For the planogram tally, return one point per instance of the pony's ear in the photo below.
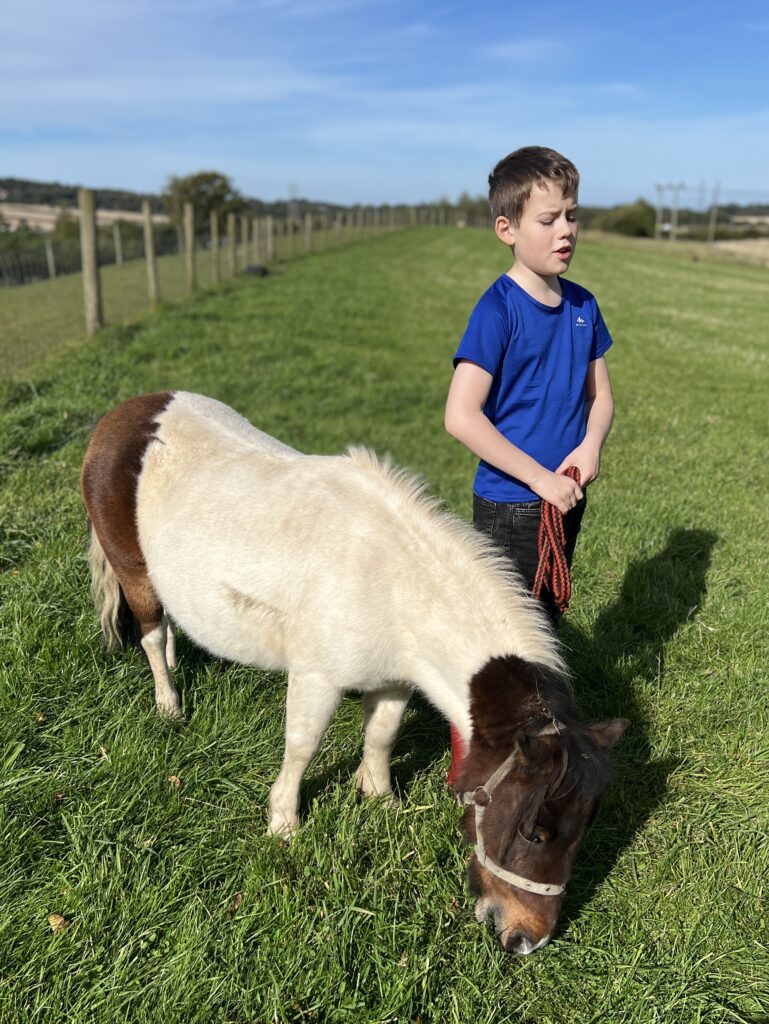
(531, 753)
(608, 734)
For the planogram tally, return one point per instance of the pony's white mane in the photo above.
(464, 551)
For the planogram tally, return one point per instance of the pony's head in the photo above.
(530, 790)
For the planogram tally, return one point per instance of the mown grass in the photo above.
(38, 318)
(180, 909)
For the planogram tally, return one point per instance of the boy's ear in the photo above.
(504, 230)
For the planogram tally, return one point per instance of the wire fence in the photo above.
(48, 301)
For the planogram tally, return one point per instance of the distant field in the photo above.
(179, 908)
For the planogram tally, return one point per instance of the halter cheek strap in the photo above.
(480, 798)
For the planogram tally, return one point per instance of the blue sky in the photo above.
(362, 101)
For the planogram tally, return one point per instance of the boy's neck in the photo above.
(546, 290)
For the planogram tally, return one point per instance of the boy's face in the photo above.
(546, 236)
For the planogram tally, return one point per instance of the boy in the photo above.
(531, 394)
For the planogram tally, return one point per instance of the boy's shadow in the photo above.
(624, 660)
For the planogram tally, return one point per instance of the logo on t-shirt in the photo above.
(581, 322)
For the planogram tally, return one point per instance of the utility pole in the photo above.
(676, 189)
(660, 205)
(714, 213)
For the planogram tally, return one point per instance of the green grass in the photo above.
(46, 316)
(180, 908)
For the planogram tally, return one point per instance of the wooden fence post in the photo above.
(256, 241)
(216, 270)
(50, 257)
(94, 318)
(189, 246)
(244, 223)
(149, 254)
(232, 259)
(270, 240)
(308, 232)
(118, 241)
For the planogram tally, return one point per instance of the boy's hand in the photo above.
(587, 458)
(561, 491)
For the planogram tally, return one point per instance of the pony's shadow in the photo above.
(626, 655)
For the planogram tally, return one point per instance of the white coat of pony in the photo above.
(337, 569)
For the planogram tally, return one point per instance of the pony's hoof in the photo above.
(370, 788)
(171, 713)
(280, 828)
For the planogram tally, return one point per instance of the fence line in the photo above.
(53, 306)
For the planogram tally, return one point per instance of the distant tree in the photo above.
(473, 210)
(67, 226)
(635, 219)
(208, 191)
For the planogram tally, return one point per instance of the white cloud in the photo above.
(532, 48)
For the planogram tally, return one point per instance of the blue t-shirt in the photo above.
(538, 356)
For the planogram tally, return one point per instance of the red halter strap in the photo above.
(553, 569)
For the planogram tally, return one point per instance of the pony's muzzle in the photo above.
(521, 944)
(513, 936)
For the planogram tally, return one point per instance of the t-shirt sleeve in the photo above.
(487, 336)
(602, 340)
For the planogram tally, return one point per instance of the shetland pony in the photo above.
(339, 570)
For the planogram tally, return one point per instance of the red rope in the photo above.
(553, 569)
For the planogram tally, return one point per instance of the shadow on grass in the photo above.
(626, 653)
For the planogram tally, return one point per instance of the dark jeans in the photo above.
(515, 529)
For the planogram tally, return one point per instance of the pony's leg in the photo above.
(156, 641)
(170, 644)
(310, 703)
(382, 714)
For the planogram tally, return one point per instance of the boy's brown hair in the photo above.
(511, 181)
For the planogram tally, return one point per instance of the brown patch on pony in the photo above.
(509, 691)
(108, 482)
(539, 811)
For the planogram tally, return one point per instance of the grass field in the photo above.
(176, 906)
(40, 317)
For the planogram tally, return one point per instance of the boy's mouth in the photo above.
(564, 252)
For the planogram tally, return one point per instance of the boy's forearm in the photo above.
(599, 418)
(476, 432)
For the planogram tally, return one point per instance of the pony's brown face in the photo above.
(533, 824)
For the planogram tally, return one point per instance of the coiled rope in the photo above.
(553, 568)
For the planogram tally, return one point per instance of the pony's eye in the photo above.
(537, 836)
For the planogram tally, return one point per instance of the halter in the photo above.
(480, 798)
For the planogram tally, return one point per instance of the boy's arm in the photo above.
(600, 413)
(465, 420)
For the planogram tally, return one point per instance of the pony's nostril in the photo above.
(519, 944)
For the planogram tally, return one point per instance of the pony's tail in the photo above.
(118, 623)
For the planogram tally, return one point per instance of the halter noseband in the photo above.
(480, 798)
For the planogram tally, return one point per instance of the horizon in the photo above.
(319, 201)
(359, 102)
